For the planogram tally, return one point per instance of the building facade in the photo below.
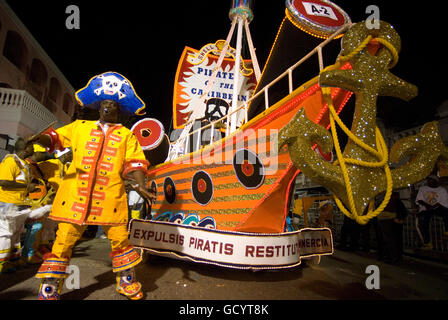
(33, 91)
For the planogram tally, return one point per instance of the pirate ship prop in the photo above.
(222, 191)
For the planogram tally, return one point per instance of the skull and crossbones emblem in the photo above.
(111, 85)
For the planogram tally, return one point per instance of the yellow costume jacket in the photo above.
(12, 168)
(93, 190)
(54, 171)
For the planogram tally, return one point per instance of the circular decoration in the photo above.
(248, 168)
(48, 291)
(169, 189)
(153, 186)
(320, 18)
(202, 187)
(149, 133)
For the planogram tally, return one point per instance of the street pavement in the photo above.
(342, 276)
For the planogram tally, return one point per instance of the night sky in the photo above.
(143, 40)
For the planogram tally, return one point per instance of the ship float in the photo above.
(222, 180)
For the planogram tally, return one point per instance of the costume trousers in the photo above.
(11, 226)
(68, 234)
(55, 263)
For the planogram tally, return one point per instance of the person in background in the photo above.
(15, 186)
(325, 219)
(390, 233)
(31, 242)
(432, 199)
(297, 211)
(350, 232)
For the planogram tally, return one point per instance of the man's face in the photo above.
(109, 111)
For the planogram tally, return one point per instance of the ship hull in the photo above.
(239, 183)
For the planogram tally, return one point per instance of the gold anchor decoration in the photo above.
(361, 171)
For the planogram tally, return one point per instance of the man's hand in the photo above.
(139, 186)
(14, 185)
(40, 138)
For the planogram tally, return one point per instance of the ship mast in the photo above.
(241, 15)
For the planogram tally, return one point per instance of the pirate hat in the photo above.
(111, 86)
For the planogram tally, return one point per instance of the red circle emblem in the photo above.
(149, 133)
(324, 13)
(320, 18)
(202, 185)
(247, 168)
(169, 189)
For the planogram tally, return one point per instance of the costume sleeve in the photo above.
(134, 158)
(51, 171)
(8, 170)
(61, 138)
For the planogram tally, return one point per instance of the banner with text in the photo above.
(195, 69)
(231, 249)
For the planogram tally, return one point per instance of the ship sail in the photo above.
(194, 73)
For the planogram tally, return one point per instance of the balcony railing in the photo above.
(20, 106)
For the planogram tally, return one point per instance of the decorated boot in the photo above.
(53, 273)
(128, 285)
(123, 262)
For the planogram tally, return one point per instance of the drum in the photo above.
(160, 153)
(149, 133)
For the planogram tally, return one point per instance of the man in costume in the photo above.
(33, 226)
(45, 170)
(432, 199)
(15, 186)
(325, 219)
(93, 190)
